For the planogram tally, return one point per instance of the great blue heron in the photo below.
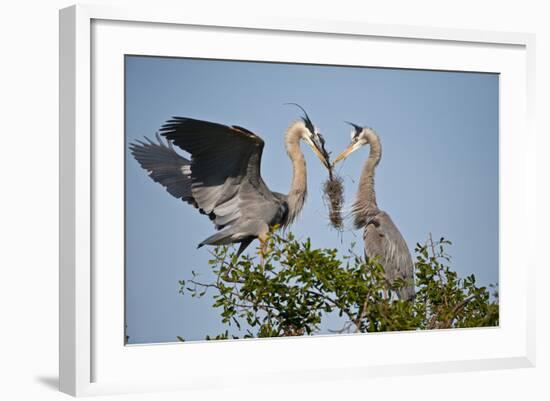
(222, 179)
(381, 237)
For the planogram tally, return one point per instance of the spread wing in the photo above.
(224, 170)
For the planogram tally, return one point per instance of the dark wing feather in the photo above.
(165, 166)
(225, 171)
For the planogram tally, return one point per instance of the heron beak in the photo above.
(349, 150)
(319, 151)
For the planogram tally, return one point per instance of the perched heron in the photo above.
(222, 178)
(381, 236)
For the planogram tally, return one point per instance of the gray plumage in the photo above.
(222, 178)
(382, 239)
(165, 166)
(381, 236)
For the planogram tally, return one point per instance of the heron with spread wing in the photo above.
(222, 177)
(381, 236)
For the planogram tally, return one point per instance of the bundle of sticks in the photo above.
(333, 190)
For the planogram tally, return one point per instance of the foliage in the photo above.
(291, 287)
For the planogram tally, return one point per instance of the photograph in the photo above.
(272, 199)
(242, 200)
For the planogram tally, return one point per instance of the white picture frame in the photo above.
(93, 358)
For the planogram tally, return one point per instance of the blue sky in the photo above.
(438, 173)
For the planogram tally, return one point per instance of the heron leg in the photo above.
(264, 247)
(263, 250)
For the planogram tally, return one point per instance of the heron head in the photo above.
(317, 143)
(359, 136)
(314, 139)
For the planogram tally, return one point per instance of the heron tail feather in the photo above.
(226, 237)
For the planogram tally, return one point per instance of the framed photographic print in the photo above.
(290, 199)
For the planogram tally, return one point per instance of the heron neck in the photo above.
(365, 203)
(298, 186)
